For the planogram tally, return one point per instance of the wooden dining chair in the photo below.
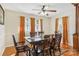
(46, 45)
(56, 43)
(32, 34)
(40, 33)
(20, 47)
(52, 43)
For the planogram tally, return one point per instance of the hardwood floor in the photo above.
(10, 51)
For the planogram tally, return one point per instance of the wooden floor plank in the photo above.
(9, 51)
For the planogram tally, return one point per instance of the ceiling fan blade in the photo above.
(43, 7)
(51, 10)
(39, 12)
(36, 9)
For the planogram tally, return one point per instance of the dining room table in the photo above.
(35, 41)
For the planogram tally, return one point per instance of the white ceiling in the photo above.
(27, 7)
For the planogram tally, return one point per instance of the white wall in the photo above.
(1, 39)
(46, 25)
(12, 23)
(66, 10)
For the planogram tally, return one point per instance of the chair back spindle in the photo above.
(14, 40)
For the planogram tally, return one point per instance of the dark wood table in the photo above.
(35, 41)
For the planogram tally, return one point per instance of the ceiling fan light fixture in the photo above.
(47, 14)
(45, 8)
(44, 13)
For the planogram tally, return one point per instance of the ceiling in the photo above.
(27, 7)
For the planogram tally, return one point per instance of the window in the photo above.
(28, 25)
(37, 25)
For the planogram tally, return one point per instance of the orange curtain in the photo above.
(41, 25)
(22, 29)
(32, 24)
(65, 31)
(56, 25)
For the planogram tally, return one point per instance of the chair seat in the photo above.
(25, 46)
(20, 46)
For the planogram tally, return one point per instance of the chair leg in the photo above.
(42, 52)
(59, 50)
(53, 52)
(17, 54)
(29, 53)
(26, 53)
(50, 52)
(46, 52)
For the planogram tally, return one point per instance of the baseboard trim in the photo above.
(1, 53)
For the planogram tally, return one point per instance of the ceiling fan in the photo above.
(44, 10)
